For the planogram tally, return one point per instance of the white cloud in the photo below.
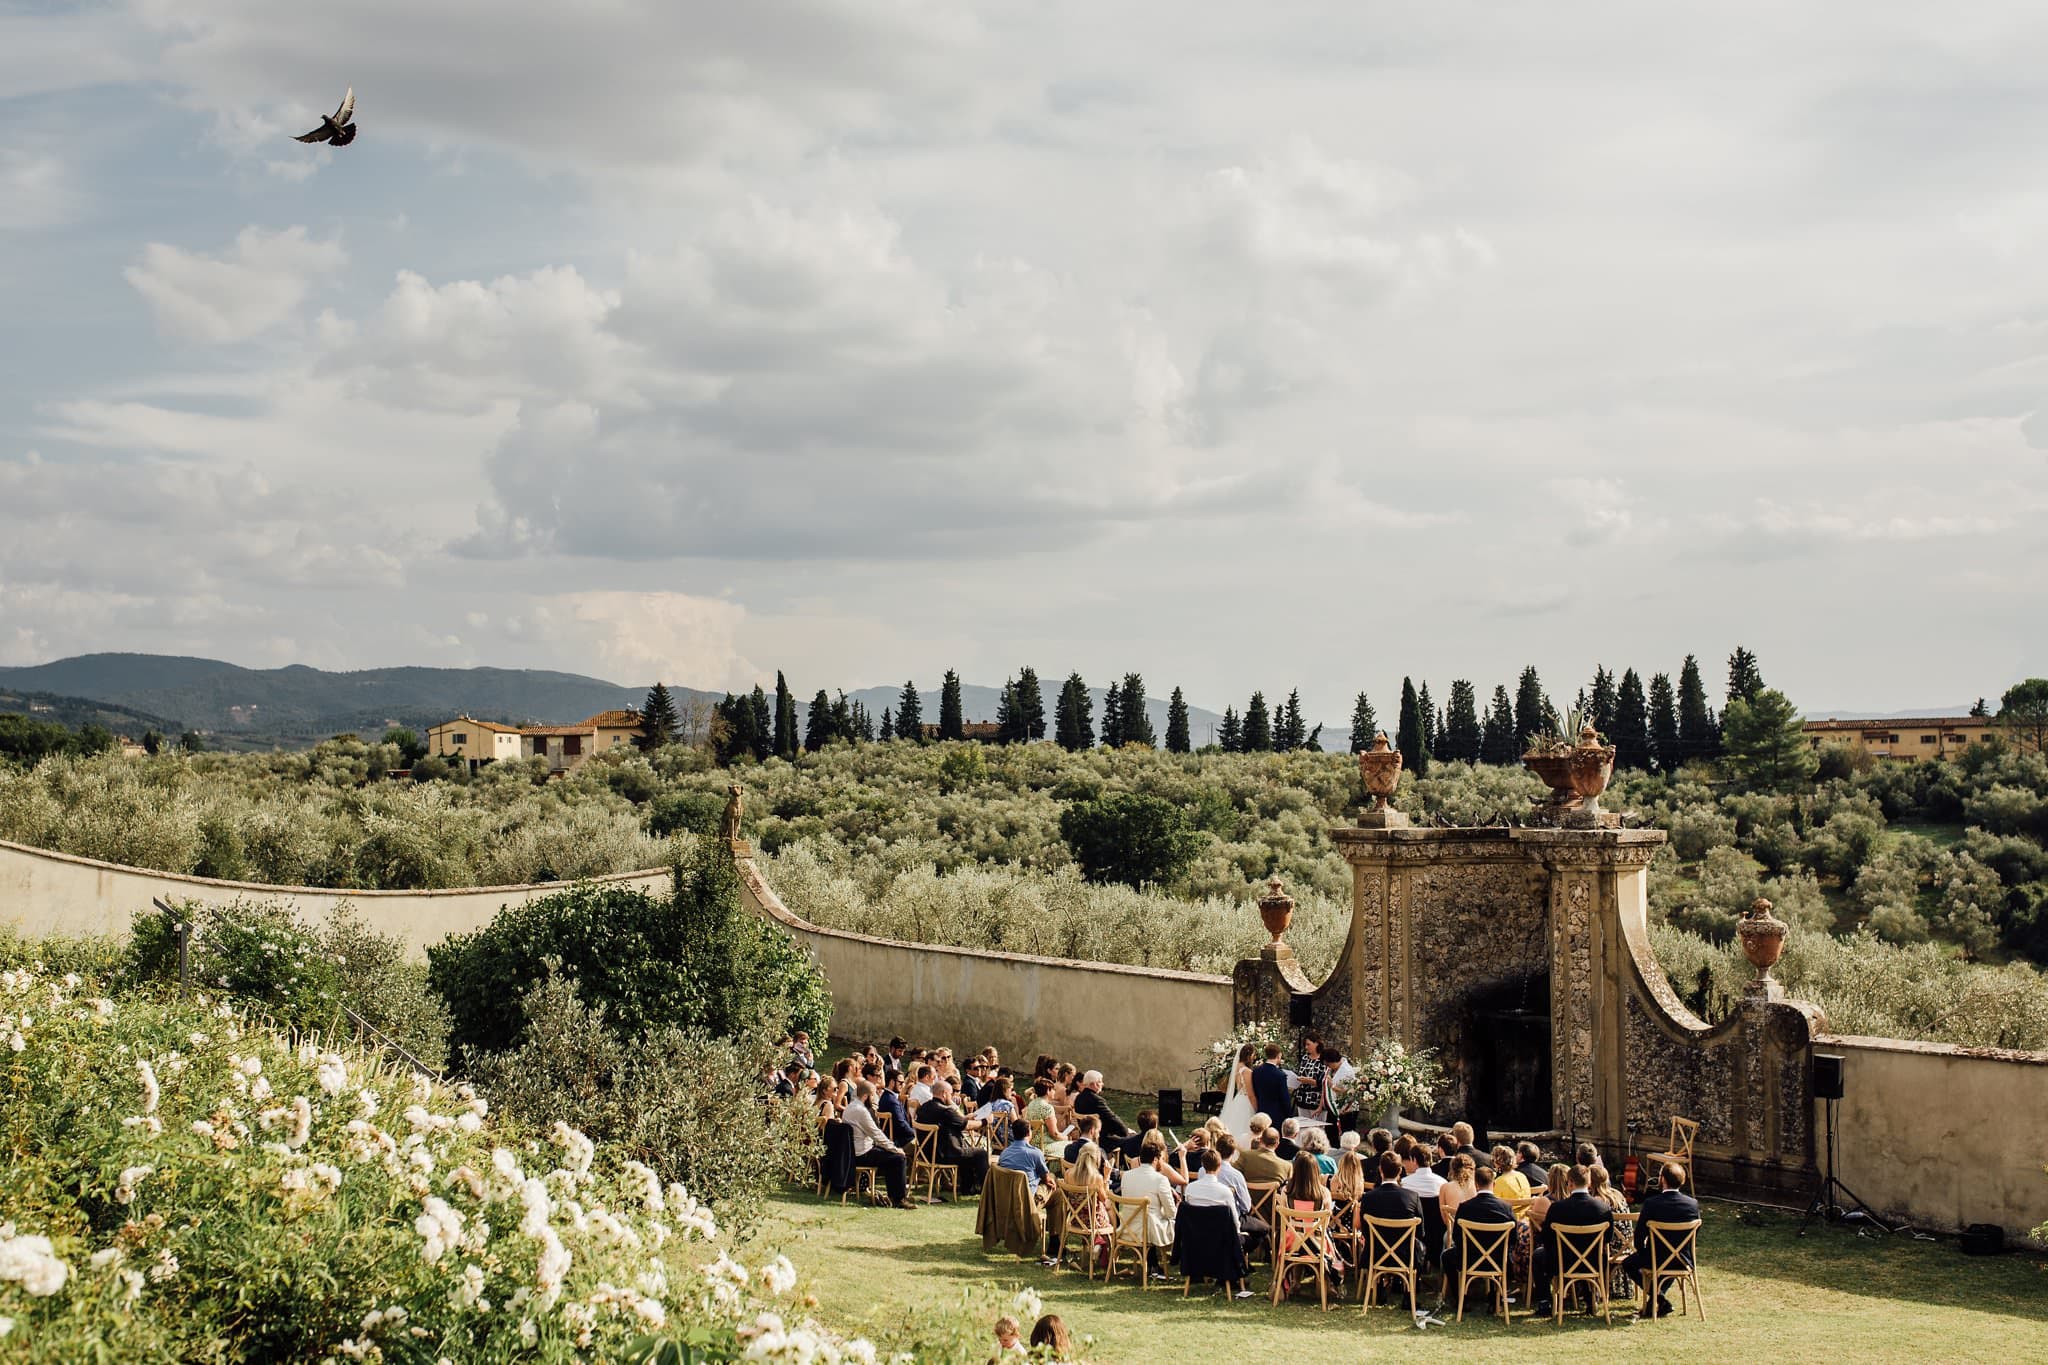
(637, 637)
(254, 286)
(35, 189)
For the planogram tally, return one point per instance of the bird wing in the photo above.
(348, 107)
(320, 134)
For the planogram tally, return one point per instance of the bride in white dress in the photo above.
(1237, 1100)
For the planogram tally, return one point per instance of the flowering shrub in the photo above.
(1392, 1077)
(1221, 1055)
(179, 1183)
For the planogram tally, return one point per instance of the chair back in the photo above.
(1485, 1247)
(1520, 1207)
(1132, 1216)
(926, 1154)
(1581, 1251)
(1673, 1246)
(1682, 1133)
(1345, 1225)
(1264, 1194)
(1391, 1244)
(1301, 1233)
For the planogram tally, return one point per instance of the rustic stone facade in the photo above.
(1442, 918)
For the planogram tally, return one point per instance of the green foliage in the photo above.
(411, 748)
(1364, 724)
(1177, 740)
(962, 765)
(910, 714)
(1631, 734)
(2023, 712)
(685, 812)
(1257, 735)
(694, 958)
(1745, 680)
(1699, 732)
(1137, 722)
(1410, 738)
(1130, 838)
(669, 1098)
(1074, 716)
(26, 741)
(1764, 742)
(951, 723)
(658, 719)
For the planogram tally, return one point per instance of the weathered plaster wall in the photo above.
(1140, 1027)
(56, 893)
(1942, 1136)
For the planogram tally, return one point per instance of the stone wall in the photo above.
(1942, 1136)
(42, 892)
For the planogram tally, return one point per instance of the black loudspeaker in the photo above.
(1827, 1076)
(1301, 1010)
(1983, 1239)
(1172, 1113)
(1211, 1102)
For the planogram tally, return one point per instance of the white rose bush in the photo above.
(153, 1207)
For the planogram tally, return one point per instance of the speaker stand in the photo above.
(1828, 1195)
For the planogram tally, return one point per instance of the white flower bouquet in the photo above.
(1219, 1056)
(1392, 1077)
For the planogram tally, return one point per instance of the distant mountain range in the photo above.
(295, 706)
(259, 708)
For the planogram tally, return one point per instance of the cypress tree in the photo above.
(951, 724)
(1428, 709)
(1229, 734)
(658, 721)
(818, 727)
(785, 719)
(1288, 730)
(888, 724)
(1137, 720)
(1602, 702)
(1412, 740)
(1497, 742)
(1664, 746)
(1699, 735)
(1009, 721)
(1256, 737)
(1744, 679)
(1177, 724)
(1531, 709)
(1631, 737)
(910, 714)
(1463, 737)
(1364, 725)
(1074, 716)
(763, 733)
(1113, 715)
(1030, 703)
(1439, 738)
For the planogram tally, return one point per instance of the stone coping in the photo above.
(1860, 1043)
(344, 892)
(1497, 834)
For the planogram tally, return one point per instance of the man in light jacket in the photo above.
(872, 1148)
(1147, 1180)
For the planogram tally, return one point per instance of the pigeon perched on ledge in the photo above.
(338, 127)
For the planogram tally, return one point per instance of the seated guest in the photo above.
(1529, 1161)
(872, 1147)
(1351, 1141)
(1249, 1223)
(1089, 1101)
(1483, 1207)
(1174, 1175)
(1348, 1182)
(1148, 1181)
(1577, 1209)
(1262, 1165)
(1148, 1121)
(1387, 1199)
(1306, 1192)
(800, 1050)
(1457, 1189)
(1621, 1241)
(1087, 1186)
(1588, 1155)
(1508, 1183)
(1556, 1186)
(1317, 1144)
(1066, 1084)
(1669, 1205)
(789, 1080)
(1040, 1108)
(1022, 1154)
(1377, 1144)
(828, 1099)
(888, 1106)
(973, 1083)
(997, 1102)
(1086, 1130)
(1419, 1174)
(892, 1060)
(921, 1084)
(1290, 1132)
(952, 1149)
(1207, 1190)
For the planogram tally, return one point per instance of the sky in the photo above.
(1247, 347)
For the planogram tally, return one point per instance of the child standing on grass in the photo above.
(1008, 1338)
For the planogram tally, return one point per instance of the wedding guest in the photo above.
(1348, 1183)
(1148, 1180)
(1483, 1207)
(1051, 1335)
(1579, 1208)
(1262, 1165)
(1090, 1101)
(1053, 1137)
(1508, 1183)
(873, 1148)
(1457, 1189)
(1022, 1155)
(1290, 1132)
(1671, 1204)
(1306, 1192)
(952, 1149)
(1086, 1130)
(973, 1084)
(997, 1102)
(1387, 1199)
(800, 1050)
(1418, 1174)
(892, 1063)
(1556, 1185)
(1317, 1144)
(921, 1085)
(1148, 1121)
(1254, 1227)
(1008, 1340)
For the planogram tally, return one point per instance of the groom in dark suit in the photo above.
(1269, 1087)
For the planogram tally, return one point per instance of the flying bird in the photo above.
(338, 127)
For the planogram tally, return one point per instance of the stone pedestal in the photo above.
(1375, 818)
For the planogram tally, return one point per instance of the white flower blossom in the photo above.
(100, 1260)
(439, 1226)
(261, 1091)
(1027, 1306)
(780, 1277)
(131, 1282)
(124, 1189)
(539, 1207)
(650, 1184)
(367, 1098)
(552, 1269)
(150, 1094)
(302, 1123)
(332, 1074)
(470, 1288)
(150, 1122)
(579, 1149)
(166, 1266)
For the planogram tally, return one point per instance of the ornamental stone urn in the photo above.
(1379, 767)
(1576, 776)
(1763, 939)
(1277, 910)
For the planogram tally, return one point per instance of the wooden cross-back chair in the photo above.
(1076, 1226)
(1265, 1194)
(1683, 1131)
(1132, 1218)
(1581, 1259)
(1346, 1229)
(1674, 1259)
(1303, 1238)
(1483, 1259)
(1389, 1253)
(926, 1166)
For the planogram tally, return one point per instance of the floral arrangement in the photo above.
(1392, 1077)
(183, 1180)
(1221, 1055)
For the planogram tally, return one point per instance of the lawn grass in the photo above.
(1771, 1296)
